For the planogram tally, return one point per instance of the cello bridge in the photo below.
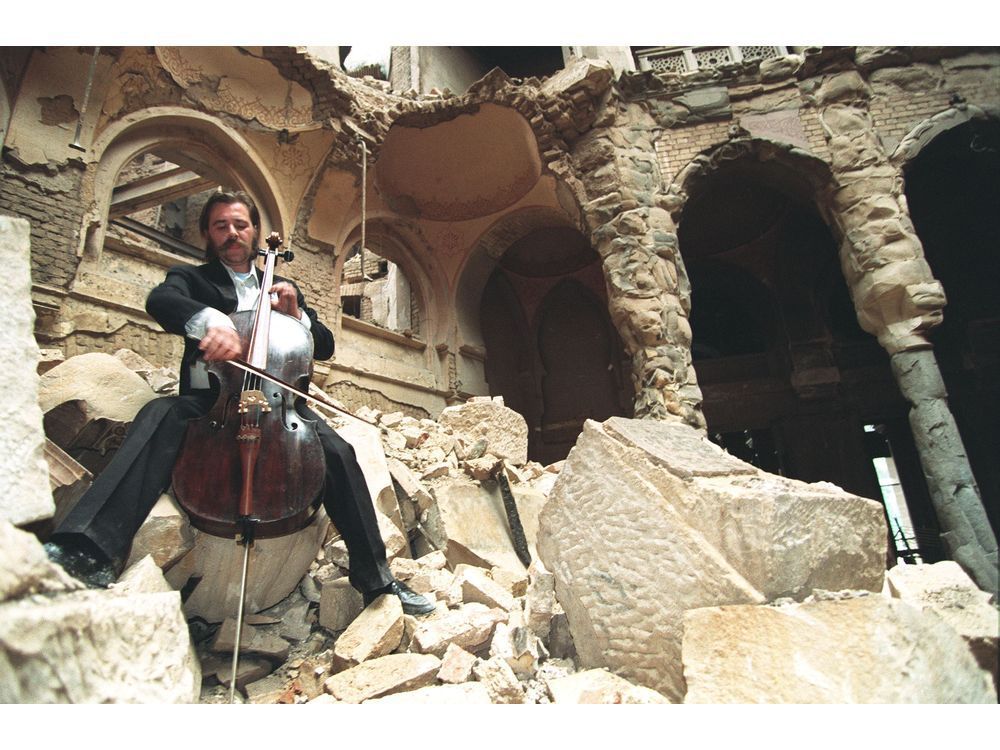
(251, 399)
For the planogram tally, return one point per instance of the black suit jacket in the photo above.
(188, 289)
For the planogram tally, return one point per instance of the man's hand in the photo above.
(220, 344)
(288, 301)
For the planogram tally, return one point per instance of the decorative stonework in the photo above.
(648, 290)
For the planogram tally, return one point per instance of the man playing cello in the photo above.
(93, 542)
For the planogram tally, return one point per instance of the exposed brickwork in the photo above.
(55, 234)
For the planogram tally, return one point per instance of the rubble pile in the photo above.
(648, 567)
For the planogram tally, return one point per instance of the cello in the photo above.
(253, 466)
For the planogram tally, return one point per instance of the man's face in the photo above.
(232, 236)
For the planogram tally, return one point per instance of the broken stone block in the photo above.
(25, 569)
(946, 589)
(599, 686)
(88, 402)
(504, 429)
(276, 567)
(470, 626)
(97, 647)
(166, 534)
(376, 632)
(514, 581)
(519, 647)
(367, 443)
(272, 689)
(865, 649)
(142, 577)
(409, 484)
(339, 604)
(469, 524)
(477, 586)
(650, 519)
(474, 693)
(499, 680)
(383, 676)
(456, 665)
(25, 496)
(541, 599)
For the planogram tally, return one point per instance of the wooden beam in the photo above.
(155, 190)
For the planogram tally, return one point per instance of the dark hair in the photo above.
(236, 196)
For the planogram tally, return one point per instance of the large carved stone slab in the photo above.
(24, 488)
(649, 519)
(97, 647)
(865, 649)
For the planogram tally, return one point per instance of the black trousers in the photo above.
(114, 507)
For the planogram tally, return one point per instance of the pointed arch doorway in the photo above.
(551, 349)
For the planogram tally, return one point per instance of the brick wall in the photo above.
(54, 210)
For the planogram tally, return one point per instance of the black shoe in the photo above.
(413, 603)
(81, 564)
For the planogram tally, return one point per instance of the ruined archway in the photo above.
(952, 163)
(531, 276)
(141, 222)
(798, 397)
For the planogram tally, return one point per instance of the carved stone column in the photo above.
(648, 291)
(898, 300)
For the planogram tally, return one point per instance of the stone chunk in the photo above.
(599, 686)
(456, 665)
(519, 647)
(339, 604)
(947, 590)
(504, 429)
(25, 568)
(68, 480)
(650, 519)
(72, 649)
(376, 632)
(166, 534)
(865, 649)
(470, 626)
(477, 586)
(24, 489)
(469, 524)
(383, 676)
(500, 681)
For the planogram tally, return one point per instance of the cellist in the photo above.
(93, 542)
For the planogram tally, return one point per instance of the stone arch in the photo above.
(385, 239)
(757, 220)
(808, 174)
(208, 141)
(923, 134)
(483, 259)
(951, 167)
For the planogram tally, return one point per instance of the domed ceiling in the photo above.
(471, 166)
